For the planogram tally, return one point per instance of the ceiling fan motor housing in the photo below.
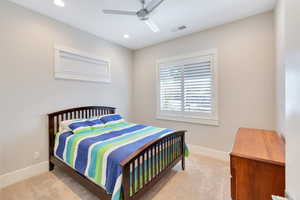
(143, 14)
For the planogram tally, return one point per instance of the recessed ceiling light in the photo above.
(59, 3)
(126, 36)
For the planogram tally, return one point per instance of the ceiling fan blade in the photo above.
(152, 25)
(119, 12)
(153, 4)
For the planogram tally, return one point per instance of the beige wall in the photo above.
(29, 91)
(288, 87)
(280, 68)
(292, 116)
(246, 51)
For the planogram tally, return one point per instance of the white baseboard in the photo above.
(22, 174)
(220, 155)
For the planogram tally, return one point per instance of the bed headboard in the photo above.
(73, 113)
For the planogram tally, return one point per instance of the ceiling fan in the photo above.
(143, 14)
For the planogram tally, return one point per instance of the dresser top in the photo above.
(261, 145)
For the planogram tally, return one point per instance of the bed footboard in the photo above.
(146, 166)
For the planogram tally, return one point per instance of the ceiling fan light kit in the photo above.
(143, 14)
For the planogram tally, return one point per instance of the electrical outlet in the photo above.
(36, 155)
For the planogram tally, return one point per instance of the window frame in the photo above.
(212, 119)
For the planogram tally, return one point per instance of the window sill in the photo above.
(193, 120)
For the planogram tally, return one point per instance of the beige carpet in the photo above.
(204, 179)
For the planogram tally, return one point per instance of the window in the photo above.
(187, 88)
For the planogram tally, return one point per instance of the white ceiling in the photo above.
(195, 14)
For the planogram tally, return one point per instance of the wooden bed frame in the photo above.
(171, 156)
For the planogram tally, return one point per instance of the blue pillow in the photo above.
(95, 123)
(80, 127)
(111, 118)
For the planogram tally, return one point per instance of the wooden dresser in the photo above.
(257, 165)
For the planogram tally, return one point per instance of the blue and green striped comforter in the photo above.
(97, 153)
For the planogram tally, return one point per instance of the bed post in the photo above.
(126, 182)
(183, 151)
(51, 141)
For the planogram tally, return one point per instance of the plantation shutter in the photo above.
(186, 87)
(171, 88)
(197, 84)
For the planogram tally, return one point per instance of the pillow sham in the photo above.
(80, 127)
(107, 119)
(64, 125)
(85, 125)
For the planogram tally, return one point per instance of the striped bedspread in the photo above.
(97, 154)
